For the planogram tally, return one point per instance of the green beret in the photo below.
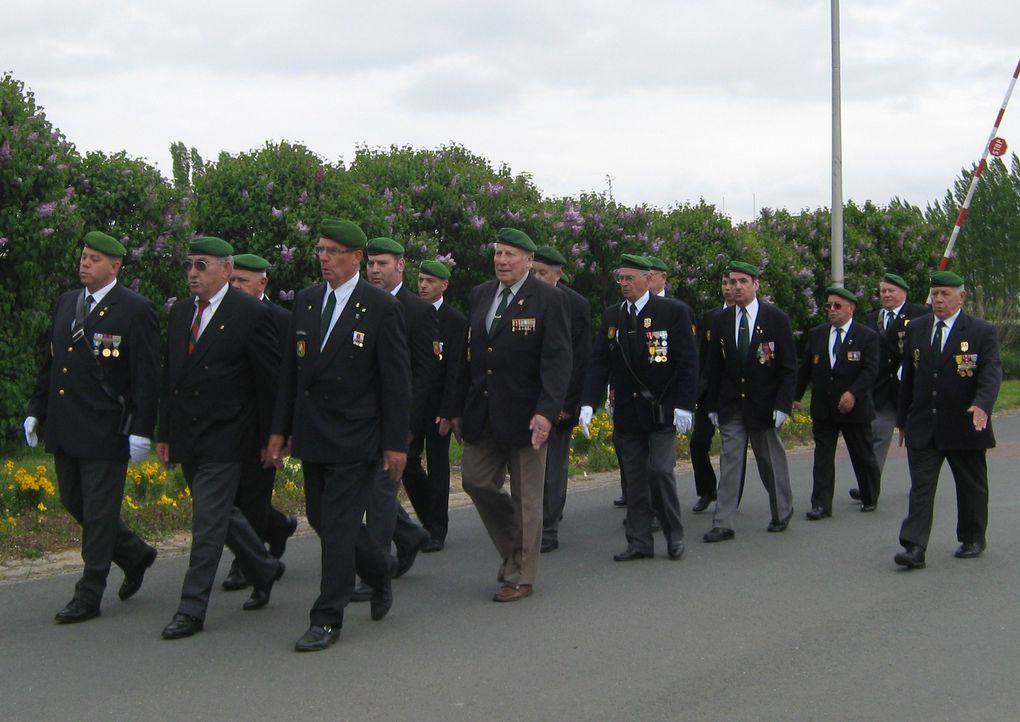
(629, 260)
(566, 277)
(251, 262)
(946, 278)
(210, 246)
(343, 232)
(842, 293)
(434, 268)
(99, 241)
(384, 245)
(548, 254)
(896, 281)
(514, 237)
(658, 264)
(741, 267)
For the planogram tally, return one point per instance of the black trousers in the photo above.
(255, 500)
(860, 445)
(970, 474)
(648, 460)
(92, 491)
(429, 491)
(336, 497)
(705, 481)
(557, 468)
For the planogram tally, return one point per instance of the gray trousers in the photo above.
(648, 460)
(514, 520)
(769, 454)
(557, 462)
(215, 521)
(882, 429)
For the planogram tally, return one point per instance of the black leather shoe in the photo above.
(619, 502)
(970, 550)
(278, 544)
(869, 507)
(630, 554)
(855, 494)
(817, 513)
(777, 525)
(549, 545)
(912, 557)
(702, 503)
(433, 545)
(382, 600)
(76, 611)
(718, 534)
(317, 638)
(676, 550)
(260, 595)
(235, 578)
(406, 557)
(182, 625)
(133, 579)
(362, 592)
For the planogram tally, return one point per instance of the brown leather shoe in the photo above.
(512, 592)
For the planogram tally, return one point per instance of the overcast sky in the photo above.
(674, 100)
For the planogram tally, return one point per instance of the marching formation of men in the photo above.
(364, 378)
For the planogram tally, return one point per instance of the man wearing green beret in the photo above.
(511, 387)
(548, 267)
(429, 490)
(645, 352)
(891, 322)
(344, 404)
(95, 400)
(255, 492)
(840, 365)
(951, 378)
(752, 375)
(222, 360)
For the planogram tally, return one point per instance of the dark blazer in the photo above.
(78, 417)
(522, 370)
(580, 345)
(281, 322)
(855, 371)
(422, 333)
(935, 394)
(216, 403)
(764, 381)
(452, 334)
(704, 339)
(630, 370)
(886, 391)
(353, 400)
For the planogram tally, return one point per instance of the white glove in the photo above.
(779, 417)
(138, 447)
(584, 418)
(714, 418)
(31, 438)
(682, 420)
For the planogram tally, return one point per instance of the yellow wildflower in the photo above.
(40, 506)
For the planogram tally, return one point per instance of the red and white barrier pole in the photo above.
(997, 146)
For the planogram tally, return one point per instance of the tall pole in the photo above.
(837, 157)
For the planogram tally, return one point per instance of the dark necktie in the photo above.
(744, 337)
(889, 316)
(82, 312)
(936, 343)
(835, 346)
(196, 325)
(504, 301)
(327, 317)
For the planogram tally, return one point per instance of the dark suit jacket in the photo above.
(704, 339)
(281, 322)
(764, 381)
(422, 333)
(351, 401)
(78, 417)
(216, 403)
(580, 345)
(886, 391)
(630, 370)
(934, 396)
(855, 371)
(452, 334)
(522, 370)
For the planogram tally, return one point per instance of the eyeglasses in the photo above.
(625, 277)
(200, 264)
(332, 251)
(834, 306)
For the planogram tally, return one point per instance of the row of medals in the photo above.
(109, 343)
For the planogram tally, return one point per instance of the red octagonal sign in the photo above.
(997, 147)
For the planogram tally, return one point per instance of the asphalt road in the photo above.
(815, 623)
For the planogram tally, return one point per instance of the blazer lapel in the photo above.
(215, 327)
(952, 345)
(342, 333)
(518, 305)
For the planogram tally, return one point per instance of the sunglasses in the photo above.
(200, 264)
(834, 306)
(332, 251)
